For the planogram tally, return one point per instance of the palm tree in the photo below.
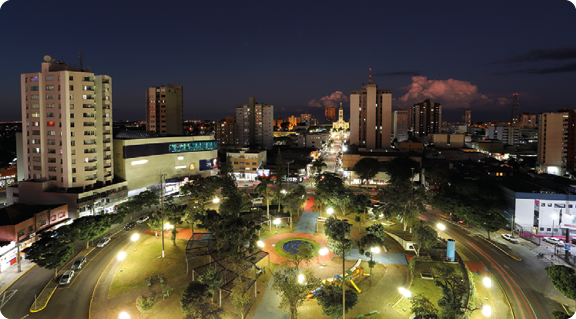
(264, 190)
(318, 164)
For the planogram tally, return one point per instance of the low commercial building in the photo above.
(315, 140)
(448, 140)
(245, 163)
(146, 161)
(349, 160)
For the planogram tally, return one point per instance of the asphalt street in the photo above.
(525, 282)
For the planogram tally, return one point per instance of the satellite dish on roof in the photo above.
(47, 58)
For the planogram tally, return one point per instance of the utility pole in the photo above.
(162, 176)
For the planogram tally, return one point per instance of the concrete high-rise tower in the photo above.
(427, 118)
(371, 117)
(255, 125)
(467, 117)
(164, 110)
(67, 126)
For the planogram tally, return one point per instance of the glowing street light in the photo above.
(260, 244)
(168, 226)
(375, 250)
(216, 200)
(135, 237)
(284, 191)
(277, 222)
(330, 211)
(121, 255)
(487, 282)
(323, 251)
(487, 311)
(405, 292)
(441, 227)
(124, 315)
(300, 278)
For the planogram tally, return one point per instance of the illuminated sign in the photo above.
(139, 162)
(192, 147)
(179, 167)
(192, 166)
(263, 173)
(208, 164)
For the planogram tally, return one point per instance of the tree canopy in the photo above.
(453, 290)
(330, 299)
(404, 200)
(292, 293)
(195, 302)
(422, 307)
(366, 168)
(564, 279)
(400, 168)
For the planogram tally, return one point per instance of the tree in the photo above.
(425, 236)
(453, 291)
(400, 168)
(292, 293)
(195, 302)
(201, 189)
(294, 200)
(376, 230)
(359, 204)
(50, 253)
(560, 315)
(330, 299)
(342, 198)
(318, 164)
(264, 191)
(155, 222)
(174, 214)
(145, 304)
(402, 199)
(336, 230)
(327, 185)
(366, 168)
(564, 279)
(423, 308)
(91, 227)
(130, 207)
(240, 297)
(148, 199)
(365, 245)
(212, 279)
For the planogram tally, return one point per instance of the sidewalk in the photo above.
(11, 274)
(268, 306)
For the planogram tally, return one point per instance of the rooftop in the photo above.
(17, 213)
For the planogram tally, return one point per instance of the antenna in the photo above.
(80, 59)
(370, 76)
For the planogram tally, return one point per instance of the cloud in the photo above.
(332, 100)
(410, 73)
(571, 67)
(542, 55)
(453, 94)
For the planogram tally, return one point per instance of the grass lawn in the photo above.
(422, 286)
(144, 262)
(168, 308)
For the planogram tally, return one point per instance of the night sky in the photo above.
(298, 56)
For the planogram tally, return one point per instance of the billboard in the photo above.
(209, 164)
(555, 212)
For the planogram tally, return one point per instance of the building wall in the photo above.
(448, 140)
(164, 109)
(426, 118)
(507, 134)
(400, 125)
(371, 117)
(412, 147)
(550, 143)
(255, 124)
(225, 134)
(67, 124)
(145, 171)
(329, 115)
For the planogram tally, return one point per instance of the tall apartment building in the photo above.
(427, 118)
(67, 126)
(467, 117)
(308, 118)
(401, 124)
(526, 120)
(164, 109)
(225, 131)
(507, 134)
(329, 115)
(293, 120)
(556, 142)
(254, 125)
(371, 117)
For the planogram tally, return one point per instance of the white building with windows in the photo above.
(255, 125)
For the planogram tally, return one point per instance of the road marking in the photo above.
(6, 296)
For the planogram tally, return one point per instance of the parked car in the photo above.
(77, 265)
(554, 241)
(103, 242)
(66, 277)
(129, 225)
(142, 219)
(510, 238)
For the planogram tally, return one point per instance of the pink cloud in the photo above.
(332, 100)
(453, 94)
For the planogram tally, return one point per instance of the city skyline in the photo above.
(303, 59)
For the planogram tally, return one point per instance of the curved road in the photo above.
(525, 282)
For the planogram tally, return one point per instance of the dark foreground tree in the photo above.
(453, 291)
(53, 249)
(195, 302)
(425, 236)
(292, 292)
(330, 299)
(423, 308)
(367, 168)
(145, 304)
(564, 279)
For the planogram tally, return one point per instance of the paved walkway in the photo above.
(268, 307)
(10, 275)
(383, 258)
(307, 223)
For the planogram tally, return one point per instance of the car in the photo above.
(142, 219)
(77, 265)
(554, 241)
(66, 277)
(510, 238)
(129, 225)
(103, 242)
(573, 241)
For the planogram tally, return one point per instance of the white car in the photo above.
(510, 238)
(66, 277)
(554, 241)
(142, 219)
(103, 242)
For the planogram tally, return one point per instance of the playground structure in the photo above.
(356, 273)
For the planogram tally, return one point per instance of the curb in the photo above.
(507, 300)
(15, 280)
(38, 310)
(502, 250)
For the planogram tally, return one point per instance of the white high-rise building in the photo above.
(67, 126)
(507, 134)
(255, 125)
(370, 117)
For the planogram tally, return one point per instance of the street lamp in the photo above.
(487, 311)
(260, 244)
(330, 211)
(168, 226)
(300, 279)
(322, 252)
(216, 200)
(121, 255)
(277, 222)
(487, 282)
(124, 315)
(405, 292)
(441, 227)
(135, 237)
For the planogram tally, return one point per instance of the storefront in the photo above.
(8, 256)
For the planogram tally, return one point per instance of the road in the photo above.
(71, 301)
(525, 282)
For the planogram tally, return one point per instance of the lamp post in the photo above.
(121, 255)
(135, 237)
(277, 222)
(487, 311)
(441, 227)
(162, 177)
(301, 279)
(322, 252)
(124, 315)
(405, 292)
(280, 200)
(487, 282)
